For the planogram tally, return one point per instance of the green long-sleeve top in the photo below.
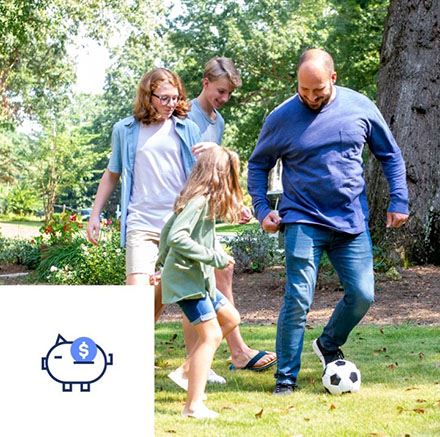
(187, 252)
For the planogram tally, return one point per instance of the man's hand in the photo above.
(199, 148)
(245, 215)
(396, 219)
(271, 223)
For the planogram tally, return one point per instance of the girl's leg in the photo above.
(199, 362)
(228, 319)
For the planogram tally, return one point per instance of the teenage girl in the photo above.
(189, 253)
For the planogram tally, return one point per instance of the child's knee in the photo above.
(235, 318)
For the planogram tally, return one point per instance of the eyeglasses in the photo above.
(165, 100)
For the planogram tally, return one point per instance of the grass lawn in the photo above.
(25, 221)
(399, 396)
(223, 227)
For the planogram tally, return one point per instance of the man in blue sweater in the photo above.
(319, 135)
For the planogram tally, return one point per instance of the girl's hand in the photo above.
(155, 278)
(231, 261)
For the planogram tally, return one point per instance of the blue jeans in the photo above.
(352, 258)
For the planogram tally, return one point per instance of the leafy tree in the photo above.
(63, 157)
(408, 96)
(35, 68)
(265, 39)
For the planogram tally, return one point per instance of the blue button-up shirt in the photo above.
(124, 142)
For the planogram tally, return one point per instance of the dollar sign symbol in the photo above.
(83, 350)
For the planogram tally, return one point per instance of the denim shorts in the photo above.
(201, 310)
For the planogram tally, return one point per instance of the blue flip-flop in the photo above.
(252, 361)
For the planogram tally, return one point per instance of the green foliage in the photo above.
(21, 200)
(78, 262)
(265, 40)
(381, 262)
(60, 229)
(19, 251)
(36, 70)
(254, 250)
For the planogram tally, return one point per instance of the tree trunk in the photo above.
(408, 96)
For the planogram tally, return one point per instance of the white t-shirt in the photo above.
(158, 177)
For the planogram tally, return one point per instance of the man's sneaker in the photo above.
(282, 389)
(325, 355)
(213, 378)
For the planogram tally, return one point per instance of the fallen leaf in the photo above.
(309, 327)
(420, 401)
(171, 431)
(412, 388)
(289, 408)
(421, 355)
(437, 404)
(313, 381)
(400, 409)
(381, 330)
(259, 414)
(375, 354)
(173, 337)
(419, 410)
(392, 366)
(332, 407)
(307, 419)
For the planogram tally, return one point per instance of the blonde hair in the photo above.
(143, 110)
(219, 67)
(216, 176)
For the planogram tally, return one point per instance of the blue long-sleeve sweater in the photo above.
(321, 152)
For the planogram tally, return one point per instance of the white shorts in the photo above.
(142, 250)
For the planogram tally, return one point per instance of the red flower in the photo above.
(80, 226)
(32, 241)
(73, 217)
(48, 230)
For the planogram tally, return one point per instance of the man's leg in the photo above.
(303, 249)
(241, 353)
(352, 257)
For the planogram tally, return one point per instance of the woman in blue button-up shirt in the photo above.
(151, 152)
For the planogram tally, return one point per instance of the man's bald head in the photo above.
(316, 79)
(317, 58)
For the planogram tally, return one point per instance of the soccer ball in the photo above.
(340, 377)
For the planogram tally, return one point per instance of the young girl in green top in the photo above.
(188, 252)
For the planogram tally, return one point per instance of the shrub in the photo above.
(81, 263)
(19, 251)
(60, 229)
(254, 250)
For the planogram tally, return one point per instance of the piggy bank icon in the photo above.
(79, 362)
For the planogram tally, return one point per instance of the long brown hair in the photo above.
(143, 110)
(216, 176)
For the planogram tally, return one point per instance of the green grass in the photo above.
(399, 396)
(222, 227)
(26, 221)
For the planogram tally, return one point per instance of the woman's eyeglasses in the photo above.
(165, 100)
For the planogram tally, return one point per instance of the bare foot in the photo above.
(266, 360)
